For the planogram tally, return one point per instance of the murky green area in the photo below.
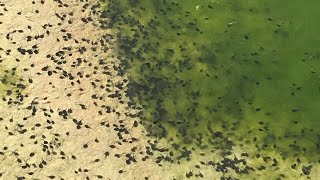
(226, 75)
(11, 85)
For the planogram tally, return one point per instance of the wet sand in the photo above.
(69, 117)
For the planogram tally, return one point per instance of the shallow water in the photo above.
(226, 75)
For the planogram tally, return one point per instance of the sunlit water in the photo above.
(236, 76)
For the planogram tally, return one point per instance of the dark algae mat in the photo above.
(236, 82)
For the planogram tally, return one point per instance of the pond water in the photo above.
(235, 77)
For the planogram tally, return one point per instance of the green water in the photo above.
(225, 75)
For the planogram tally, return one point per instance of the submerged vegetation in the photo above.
(235, 77)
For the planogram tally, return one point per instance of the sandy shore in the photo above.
(70, 119)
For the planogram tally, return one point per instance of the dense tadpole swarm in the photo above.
(204, 74)
(78, 80)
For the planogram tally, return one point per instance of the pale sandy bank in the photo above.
(71, 120)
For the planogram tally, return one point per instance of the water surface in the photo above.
(237, 77)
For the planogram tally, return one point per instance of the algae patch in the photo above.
(230, 76)
(11, 85)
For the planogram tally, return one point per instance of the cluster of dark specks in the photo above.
(67, 117)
